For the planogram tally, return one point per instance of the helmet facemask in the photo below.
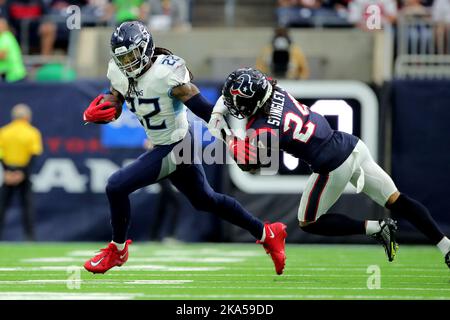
(133, 60)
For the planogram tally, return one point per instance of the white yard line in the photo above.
(127, 267)
(189, 259)
(167, 268)
(158, 281)
(117, 283)
(66, 296)
(141, 260)
(120, 283)
(131, 267)
(51, 260)
(207, 252)
(300, 288)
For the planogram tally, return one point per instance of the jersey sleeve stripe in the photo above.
(259, 131)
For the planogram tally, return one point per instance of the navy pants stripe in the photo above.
(189, 179)
(314, 197)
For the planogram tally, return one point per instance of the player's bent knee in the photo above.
(392, 198)
(304, 224)
(115, 184)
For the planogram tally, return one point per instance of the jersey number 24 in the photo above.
(301, 132)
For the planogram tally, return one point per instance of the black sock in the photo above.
(333, 224)
(418, 215)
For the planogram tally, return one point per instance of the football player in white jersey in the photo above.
(157, 88)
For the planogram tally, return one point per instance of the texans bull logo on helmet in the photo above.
(243, 87)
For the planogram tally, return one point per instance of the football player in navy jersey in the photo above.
(277, 121)
(157, 88)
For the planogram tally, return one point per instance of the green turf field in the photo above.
(223, 271)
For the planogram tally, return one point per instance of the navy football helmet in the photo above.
(132, 47)
(245, 91)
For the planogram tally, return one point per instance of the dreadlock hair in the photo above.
(158, 51)
(266, 107)
(163, 51)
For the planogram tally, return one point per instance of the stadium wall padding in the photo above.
(421, 144)
(70, 204)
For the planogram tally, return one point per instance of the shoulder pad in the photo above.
(118, 80)
(173, 69)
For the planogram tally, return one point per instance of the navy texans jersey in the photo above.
(302, 133)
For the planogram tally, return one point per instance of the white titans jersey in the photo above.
(163, 117)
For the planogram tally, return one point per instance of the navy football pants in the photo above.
(189, 179)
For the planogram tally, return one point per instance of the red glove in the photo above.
(243, 151)
(103, 112)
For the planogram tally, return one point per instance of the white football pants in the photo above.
(323, 190)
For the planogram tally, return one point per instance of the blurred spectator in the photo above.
(96, 13)
(411, 20)
(126, 10)
(20, 143)
(282, 58)
(12, 68)
(441, 11)
(414, 8)
(310, 13)
(362, 15)
(56, 15)
(167, 14)
(3, 9)
(26, 19)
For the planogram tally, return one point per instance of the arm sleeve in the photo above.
(200, 106)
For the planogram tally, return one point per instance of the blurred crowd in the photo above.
(41, 26)
(355, 13)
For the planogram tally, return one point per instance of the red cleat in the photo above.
(274, 244)
(108, 258)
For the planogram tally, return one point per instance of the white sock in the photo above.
(263, 235)
(444, 245)
(372, 226)
(119, 246)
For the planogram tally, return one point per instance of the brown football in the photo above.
(116, 104)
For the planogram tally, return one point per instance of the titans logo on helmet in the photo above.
(243, 87)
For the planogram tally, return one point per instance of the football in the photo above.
(116, 104)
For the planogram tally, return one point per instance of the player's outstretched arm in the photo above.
(218, 125)
(190, 95)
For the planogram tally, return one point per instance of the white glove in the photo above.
(217, 123)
